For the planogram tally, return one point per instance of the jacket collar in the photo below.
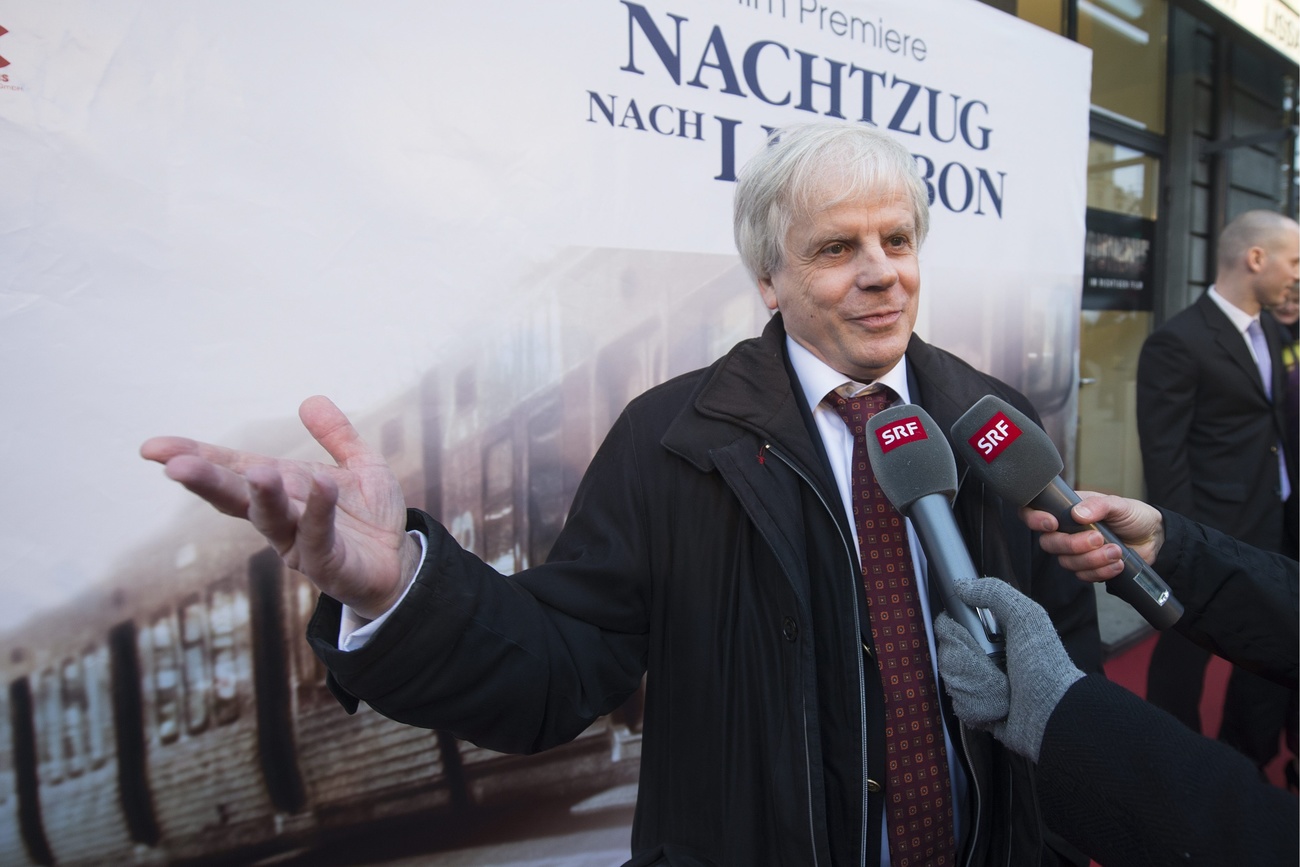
(1230, 337)
(749, 388)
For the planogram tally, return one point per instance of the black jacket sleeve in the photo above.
(1241, 603)
(1130, 785)
(515, 664)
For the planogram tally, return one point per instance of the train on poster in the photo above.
(175, 714)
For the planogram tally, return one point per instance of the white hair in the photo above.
(790, 177)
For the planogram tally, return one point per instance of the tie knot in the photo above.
(857, 410)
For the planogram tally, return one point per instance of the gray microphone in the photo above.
(1018, 461)
(916, 471)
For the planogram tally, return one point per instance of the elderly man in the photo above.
(792, 714)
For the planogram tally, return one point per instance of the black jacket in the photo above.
(1241, 603)
(706, 547)
(1209, 433)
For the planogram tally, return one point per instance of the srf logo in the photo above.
(3, 62)
(901, 432)
(994, 437)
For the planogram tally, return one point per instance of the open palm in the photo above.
(342, 525)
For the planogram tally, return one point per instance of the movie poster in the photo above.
(480, 228)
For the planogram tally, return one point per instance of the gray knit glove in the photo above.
(1014, 706)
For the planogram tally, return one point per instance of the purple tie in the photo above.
(1264, 359)
(918, 797)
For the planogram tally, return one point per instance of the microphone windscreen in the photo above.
(909, 455)
(1005, 449)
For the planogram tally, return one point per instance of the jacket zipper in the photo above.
(862, 684)
(975, 786)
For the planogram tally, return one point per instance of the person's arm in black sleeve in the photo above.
(1117, 777)
(1240, 602)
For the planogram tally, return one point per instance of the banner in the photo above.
(480, 228)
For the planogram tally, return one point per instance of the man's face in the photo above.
(1280, 270)
(849, 285)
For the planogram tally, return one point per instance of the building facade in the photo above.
(1194, 120)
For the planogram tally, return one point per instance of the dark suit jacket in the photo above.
(1208, 431)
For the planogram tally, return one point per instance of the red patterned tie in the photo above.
(918, 797)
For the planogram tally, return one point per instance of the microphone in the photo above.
(1017, 459)
(916, 471)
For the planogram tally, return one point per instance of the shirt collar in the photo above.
(1240, 318)
(817, 379)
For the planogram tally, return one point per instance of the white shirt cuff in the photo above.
(354, 630)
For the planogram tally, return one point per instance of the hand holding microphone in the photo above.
(916, 470)
(1016, 705)
(1084, 553)
(1018, 461)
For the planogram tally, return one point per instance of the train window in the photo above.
(464, 421)
(499, 504)
(225, 664)
(194, 628)
(625, 369)
(547, 499)
(47, 698)
(94, 663)
(73, 696)
(466, 390)
(166, 678)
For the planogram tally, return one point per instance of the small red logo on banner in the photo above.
(992, 439)
(901, 432)
(3, 62)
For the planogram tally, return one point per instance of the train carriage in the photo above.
(63, 756)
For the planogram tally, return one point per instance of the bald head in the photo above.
(1259, 260)
(1252, 229)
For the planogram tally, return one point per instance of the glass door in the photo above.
(1118, 276)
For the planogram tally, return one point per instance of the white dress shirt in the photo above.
(355, 630)
(817, 380)
(1240, 319)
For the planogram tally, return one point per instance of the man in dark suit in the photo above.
(1211, 418)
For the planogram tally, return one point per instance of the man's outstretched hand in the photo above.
(343, 526)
